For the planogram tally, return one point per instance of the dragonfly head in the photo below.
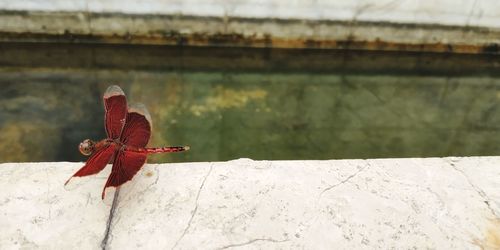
(87, 147)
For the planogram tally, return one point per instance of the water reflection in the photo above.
(45, 111)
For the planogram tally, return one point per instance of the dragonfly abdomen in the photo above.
(159, 150)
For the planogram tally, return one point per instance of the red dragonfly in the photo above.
(128, 130)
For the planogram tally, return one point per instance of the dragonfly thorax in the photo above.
(87, 147)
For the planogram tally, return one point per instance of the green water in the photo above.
(276, 113)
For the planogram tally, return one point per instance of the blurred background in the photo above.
(302, 79)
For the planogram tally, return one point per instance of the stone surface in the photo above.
(437, 203)
(37, 212)
(468, 27)
(463, 13)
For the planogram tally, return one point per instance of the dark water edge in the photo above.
(254, 103)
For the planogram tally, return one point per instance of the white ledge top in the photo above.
(484, 13)
(438, 203)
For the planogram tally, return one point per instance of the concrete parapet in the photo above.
(366, 25)
(440, 203)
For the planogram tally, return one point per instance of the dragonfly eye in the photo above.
(86, 147)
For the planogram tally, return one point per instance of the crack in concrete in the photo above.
(157, 172)
(251, 242)
(48, 194)
(318, 200)
(107, 233)
(471, 13)
(195, 207)
(479, 191)
(87, 15)
(345, 180)
(147, 188)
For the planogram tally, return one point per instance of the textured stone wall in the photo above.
(465, 27)
(484, 13)
(225, 115)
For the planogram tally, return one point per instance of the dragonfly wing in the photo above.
(126, 164)
(115, 106)
(96, 162)
(137, 129)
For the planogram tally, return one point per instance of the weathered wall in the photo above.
(465, 27)
(484, 13)
(268, 115)
(437, 203)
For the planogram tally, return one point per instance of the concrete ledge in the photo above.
(356, 25)
(484, 13)
(443, 203)
(118, 28)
